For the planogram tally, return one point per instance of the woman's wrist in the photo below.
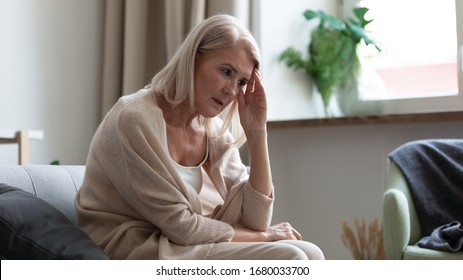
(243, 234)
(256, 138)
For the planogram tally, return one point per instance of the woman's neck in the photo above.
(177, 116)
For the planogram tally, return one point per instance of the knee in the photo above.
(290, 252)
(316, 253)
(310, 250)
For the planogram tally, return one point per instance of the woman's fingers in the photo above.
(258, 81)
(255, 83)
(252, 82)
(284, 231)
(241, 98)
(297, 234)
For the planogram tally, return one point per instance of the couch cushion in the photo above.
(31, 228)
(414, 252)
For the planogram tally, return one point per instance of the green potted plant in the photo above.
(332, 59)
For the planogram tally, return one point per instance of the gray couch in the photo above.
(33, 199)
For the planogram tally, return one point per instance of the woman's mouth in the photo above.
(218, 101)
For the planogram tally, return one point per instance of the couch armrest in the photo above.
(55, 184)
(396, 224)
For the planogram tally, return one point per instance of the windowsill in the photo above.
(373, 119)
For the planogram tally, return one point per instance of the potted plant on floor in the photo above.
(332, 59)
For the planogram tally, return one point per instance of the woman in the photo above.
(164, 179)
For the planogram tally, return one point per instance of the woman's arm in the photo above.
(253, 116)
(260, 176)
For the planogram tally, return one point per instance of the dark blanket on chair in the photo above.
(434, 173)
(448, 237)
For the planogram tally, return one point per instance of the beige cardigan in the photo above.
(134, 204)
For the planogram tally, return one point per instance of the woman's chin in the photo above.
(212, 112)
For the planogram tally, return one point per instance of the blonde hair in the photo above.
(175, 82)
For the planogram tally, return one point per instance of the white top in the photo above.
(191, 175)
(197, 178)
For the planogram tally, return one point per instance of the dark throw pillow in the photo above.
(31, 228)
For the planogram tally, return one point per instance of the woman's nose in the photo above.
(231, 89)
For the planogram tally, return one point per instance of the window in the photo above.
(420, 57)
(419, 66)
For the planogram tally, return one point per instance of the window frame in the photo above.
(428, 104)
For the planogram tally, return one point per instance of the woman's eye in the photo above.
(227, 72)
(242, 83)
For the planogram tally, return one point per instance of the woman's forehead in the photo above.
(236, 56)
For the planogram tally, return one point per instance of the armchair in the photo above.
(402, 227)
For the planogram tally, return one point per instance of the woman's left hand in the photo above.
(282, 231)
(252, 105)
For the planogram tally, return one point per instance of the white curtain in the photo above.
(141, 35)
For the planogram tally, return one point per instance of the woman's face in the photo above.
(219, 76)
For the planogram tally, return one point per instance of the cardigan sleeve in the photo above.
(149, 187)
(257, 209)
(243, 204)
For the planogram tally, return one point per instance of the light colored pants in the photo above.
(278, 250)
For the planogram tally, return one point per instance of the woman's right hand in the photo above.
(281, 231)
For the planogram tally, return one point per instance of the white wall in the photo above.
(326, 175)
(291, 93)
(50, 73)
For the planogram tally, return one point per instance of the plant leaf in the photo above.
(292, 57)
(335, 23)
(359, 33)
(360, 12)
(326, 19)
(310, 14)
